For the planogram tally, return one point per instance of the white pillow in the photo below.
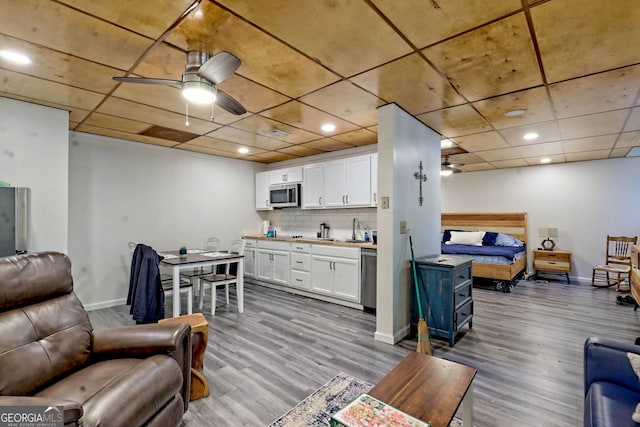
(473, 238)
(634, 360)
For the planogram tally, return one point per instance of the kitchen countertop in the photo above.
(315, 241)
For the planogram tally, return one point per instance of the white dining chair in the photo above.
(211, 244)
(225, 279)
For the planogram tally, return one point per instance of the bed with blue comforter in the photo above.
(495, 241)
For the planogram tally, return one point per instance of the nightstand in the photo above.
(556, 262)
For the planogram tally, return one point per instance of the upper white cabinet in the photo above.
(342, 183)
(347, 182)
(262, 190)
(313, 192)
(374, 179)
(285, 176)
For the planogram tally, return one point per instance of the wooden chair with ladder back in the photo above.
(618, 263)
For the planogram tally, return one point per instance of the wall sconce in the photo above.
(547, 233)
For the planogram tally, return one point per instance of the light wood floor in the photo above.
(527, 347)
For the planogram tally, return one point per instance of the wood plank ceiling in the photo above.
(458, 66)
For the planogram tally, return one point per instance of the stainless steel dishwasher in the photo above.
(368, 278)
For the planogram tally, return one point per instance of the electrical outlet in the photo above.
(403, 227)
(385, 202)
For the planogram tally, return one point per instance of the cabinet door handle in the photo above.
(284, 177)
(266, 202)
(298, 280)
(298, 262)
(347, 196)
(375, 197)
(320, 200)
(343, 199)
(299, 247)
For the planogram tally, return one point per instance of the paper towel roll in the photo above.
(265, 226)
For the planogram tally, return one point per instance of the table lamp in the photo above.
(547, 233)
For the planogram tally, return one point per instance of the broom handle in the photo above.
(415, 278)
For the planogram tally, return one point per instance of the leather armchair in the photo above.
(50, 355)
(611, 388)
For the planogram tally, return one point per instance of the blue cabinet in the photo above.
(446, 294)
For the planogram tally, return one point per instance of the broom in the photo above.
(424, 342)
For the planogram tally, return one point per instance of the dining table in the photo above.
(201, 258)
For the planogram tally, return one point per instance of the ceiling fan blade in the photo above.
(225, 101)
(219, 67)
(149, 81)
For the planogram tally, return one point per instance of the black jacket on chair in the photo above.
(146, 296)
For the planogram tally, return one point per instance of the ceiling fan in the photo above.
(199, 81)
(448, 168)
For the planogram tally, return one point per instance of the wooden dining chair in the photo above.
(211, 244)
(618, 262)
(225, 278)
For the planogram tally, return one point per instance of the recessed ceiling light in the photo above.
(530, 136)
(514, 113)
(446, 143)
(15, 57)
(243, 150)
(545, 160)
(328, 127)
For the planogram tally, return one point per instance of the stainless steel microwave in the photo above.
(284, 195)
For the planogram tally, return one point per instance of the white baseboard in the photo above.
(393, 340)
(105, 304)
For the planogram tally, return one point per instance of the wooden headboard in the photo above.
(512, 223)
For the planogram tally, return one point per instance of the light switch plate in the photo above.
(385, 202)
(403, 227)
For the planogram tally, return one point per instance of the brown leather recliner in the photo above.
(50, 355)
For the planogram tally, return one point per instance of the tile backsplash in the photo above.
(306, 222)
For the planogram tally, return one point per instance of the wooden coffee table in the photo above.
(429, 388)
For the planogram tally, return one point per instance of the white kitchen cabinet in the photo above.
(285, 176)
(250, 258)
(335, 271)
(374, 179)
(358, 181)
(300, 266)
(347, 182)
(262, 191)
(272, 262)
(313, 186)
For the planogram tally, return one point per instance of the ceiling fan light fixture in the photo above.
(545, 160)
(445, 171)
(199, 92)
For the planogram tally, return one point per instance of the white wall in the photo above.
(34, 153)
(403, 142)
(584, 200)
(122, 191)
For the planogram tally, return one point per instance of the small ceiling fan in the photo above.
(448, 168)
(199, 81)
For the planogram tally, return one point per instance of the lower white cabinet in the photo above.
(300, 266)
(273, 262)
(250, 258)
(330, 270)
(335, 271)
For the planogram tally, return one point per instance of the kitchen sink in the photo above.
(354, 241)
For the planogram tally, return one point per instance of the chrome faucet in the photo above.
(355, 222)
